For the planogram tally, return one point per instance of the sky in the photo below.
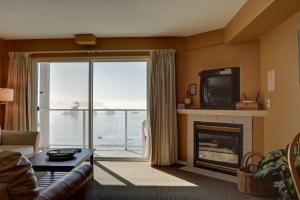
(116, 84)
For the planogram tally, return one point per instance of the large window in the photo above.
(119, 106)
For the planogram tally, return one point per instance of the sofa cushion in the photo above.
(26, 150)
(17, 174)
(73, 185)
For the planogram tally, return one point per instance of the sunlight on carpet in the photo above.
(134, 173)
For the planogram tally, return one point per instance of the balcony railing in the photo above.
(113, 129)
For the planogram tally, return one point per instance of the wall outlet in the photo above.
(268, 103)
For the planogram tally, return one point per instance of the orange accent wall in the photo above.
(257, 17)
(182, 121)
(177, 43)
(216, 54)
(275, 49)
(279, 51)
(208, 51)
(193, 54)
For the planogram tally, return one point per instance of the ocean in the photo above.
(67, 128)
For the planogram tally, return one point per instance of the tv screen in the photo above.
(220, 88)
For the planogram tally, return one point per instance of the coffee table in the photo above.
(40, 161)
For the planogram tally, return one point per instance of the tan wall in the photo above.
(257, 17)
(182, 148)
(249, 11)
(104, 43)
(245, 55)
(208, 51)
(196, 53)
(279, 51)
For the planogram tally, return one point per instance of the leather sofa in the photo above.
(17, 176)
(25, 142)
(72, 186)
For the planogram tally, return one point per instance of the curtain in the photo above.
(19, 114)
(162, 107)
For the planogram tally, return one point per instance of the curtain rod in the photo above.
(90, 51)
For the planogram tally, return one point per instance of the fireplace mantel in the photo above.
(242, 113)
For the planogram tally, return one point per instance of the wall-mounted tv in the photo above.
(220, 88)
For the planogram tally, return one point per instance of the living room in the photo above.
(144, 71)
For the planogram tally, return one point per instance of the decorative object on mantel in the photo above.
(247, 104)
(187, 100)
(275, 166)
(193, 90)
(247, 183)
(181, 105)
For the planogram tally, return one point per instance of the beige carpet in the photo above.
(137, 173)
(137, 180)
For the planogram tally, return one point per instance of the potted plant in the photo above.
(275, 166)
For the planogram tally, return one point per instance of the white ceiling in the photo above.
(34, 19)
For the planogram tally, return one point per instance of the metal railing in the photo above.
(84, 125)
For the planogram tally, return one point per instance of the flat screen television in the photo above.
(220, 88)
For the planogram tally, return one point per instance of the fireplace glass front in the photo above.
(218, 145)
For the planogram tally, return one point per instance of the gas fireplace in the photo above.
(218, 146)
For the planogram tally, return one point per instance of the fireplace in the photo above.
(218, 146)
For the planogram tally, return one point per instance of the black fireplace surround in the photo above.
(218, 146)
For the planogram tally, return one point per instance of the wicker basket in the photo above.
(246, 180)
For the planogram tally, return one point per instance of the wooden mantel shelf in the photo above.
(243, 113)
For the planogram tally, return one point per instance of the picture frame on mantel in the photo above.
(193, 89)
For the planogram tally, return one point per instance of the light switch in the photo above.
(268, 103)
(271, 80)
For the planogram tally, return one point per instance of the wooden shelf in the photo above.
(243, 113)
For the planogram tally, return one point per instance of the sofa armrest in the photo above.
(9, 137)
(74, 184)
(3, 192)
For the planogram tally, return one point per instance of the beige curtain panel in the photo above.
(162, 107)
(19, 113)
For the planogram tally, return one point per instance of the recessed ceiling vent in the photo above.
(86, 39)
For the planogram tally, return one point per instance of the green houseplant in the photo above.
(275, 166)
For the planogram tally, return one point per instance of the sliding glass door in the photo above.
(63, 104)
(110, 93)
(120, 103)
